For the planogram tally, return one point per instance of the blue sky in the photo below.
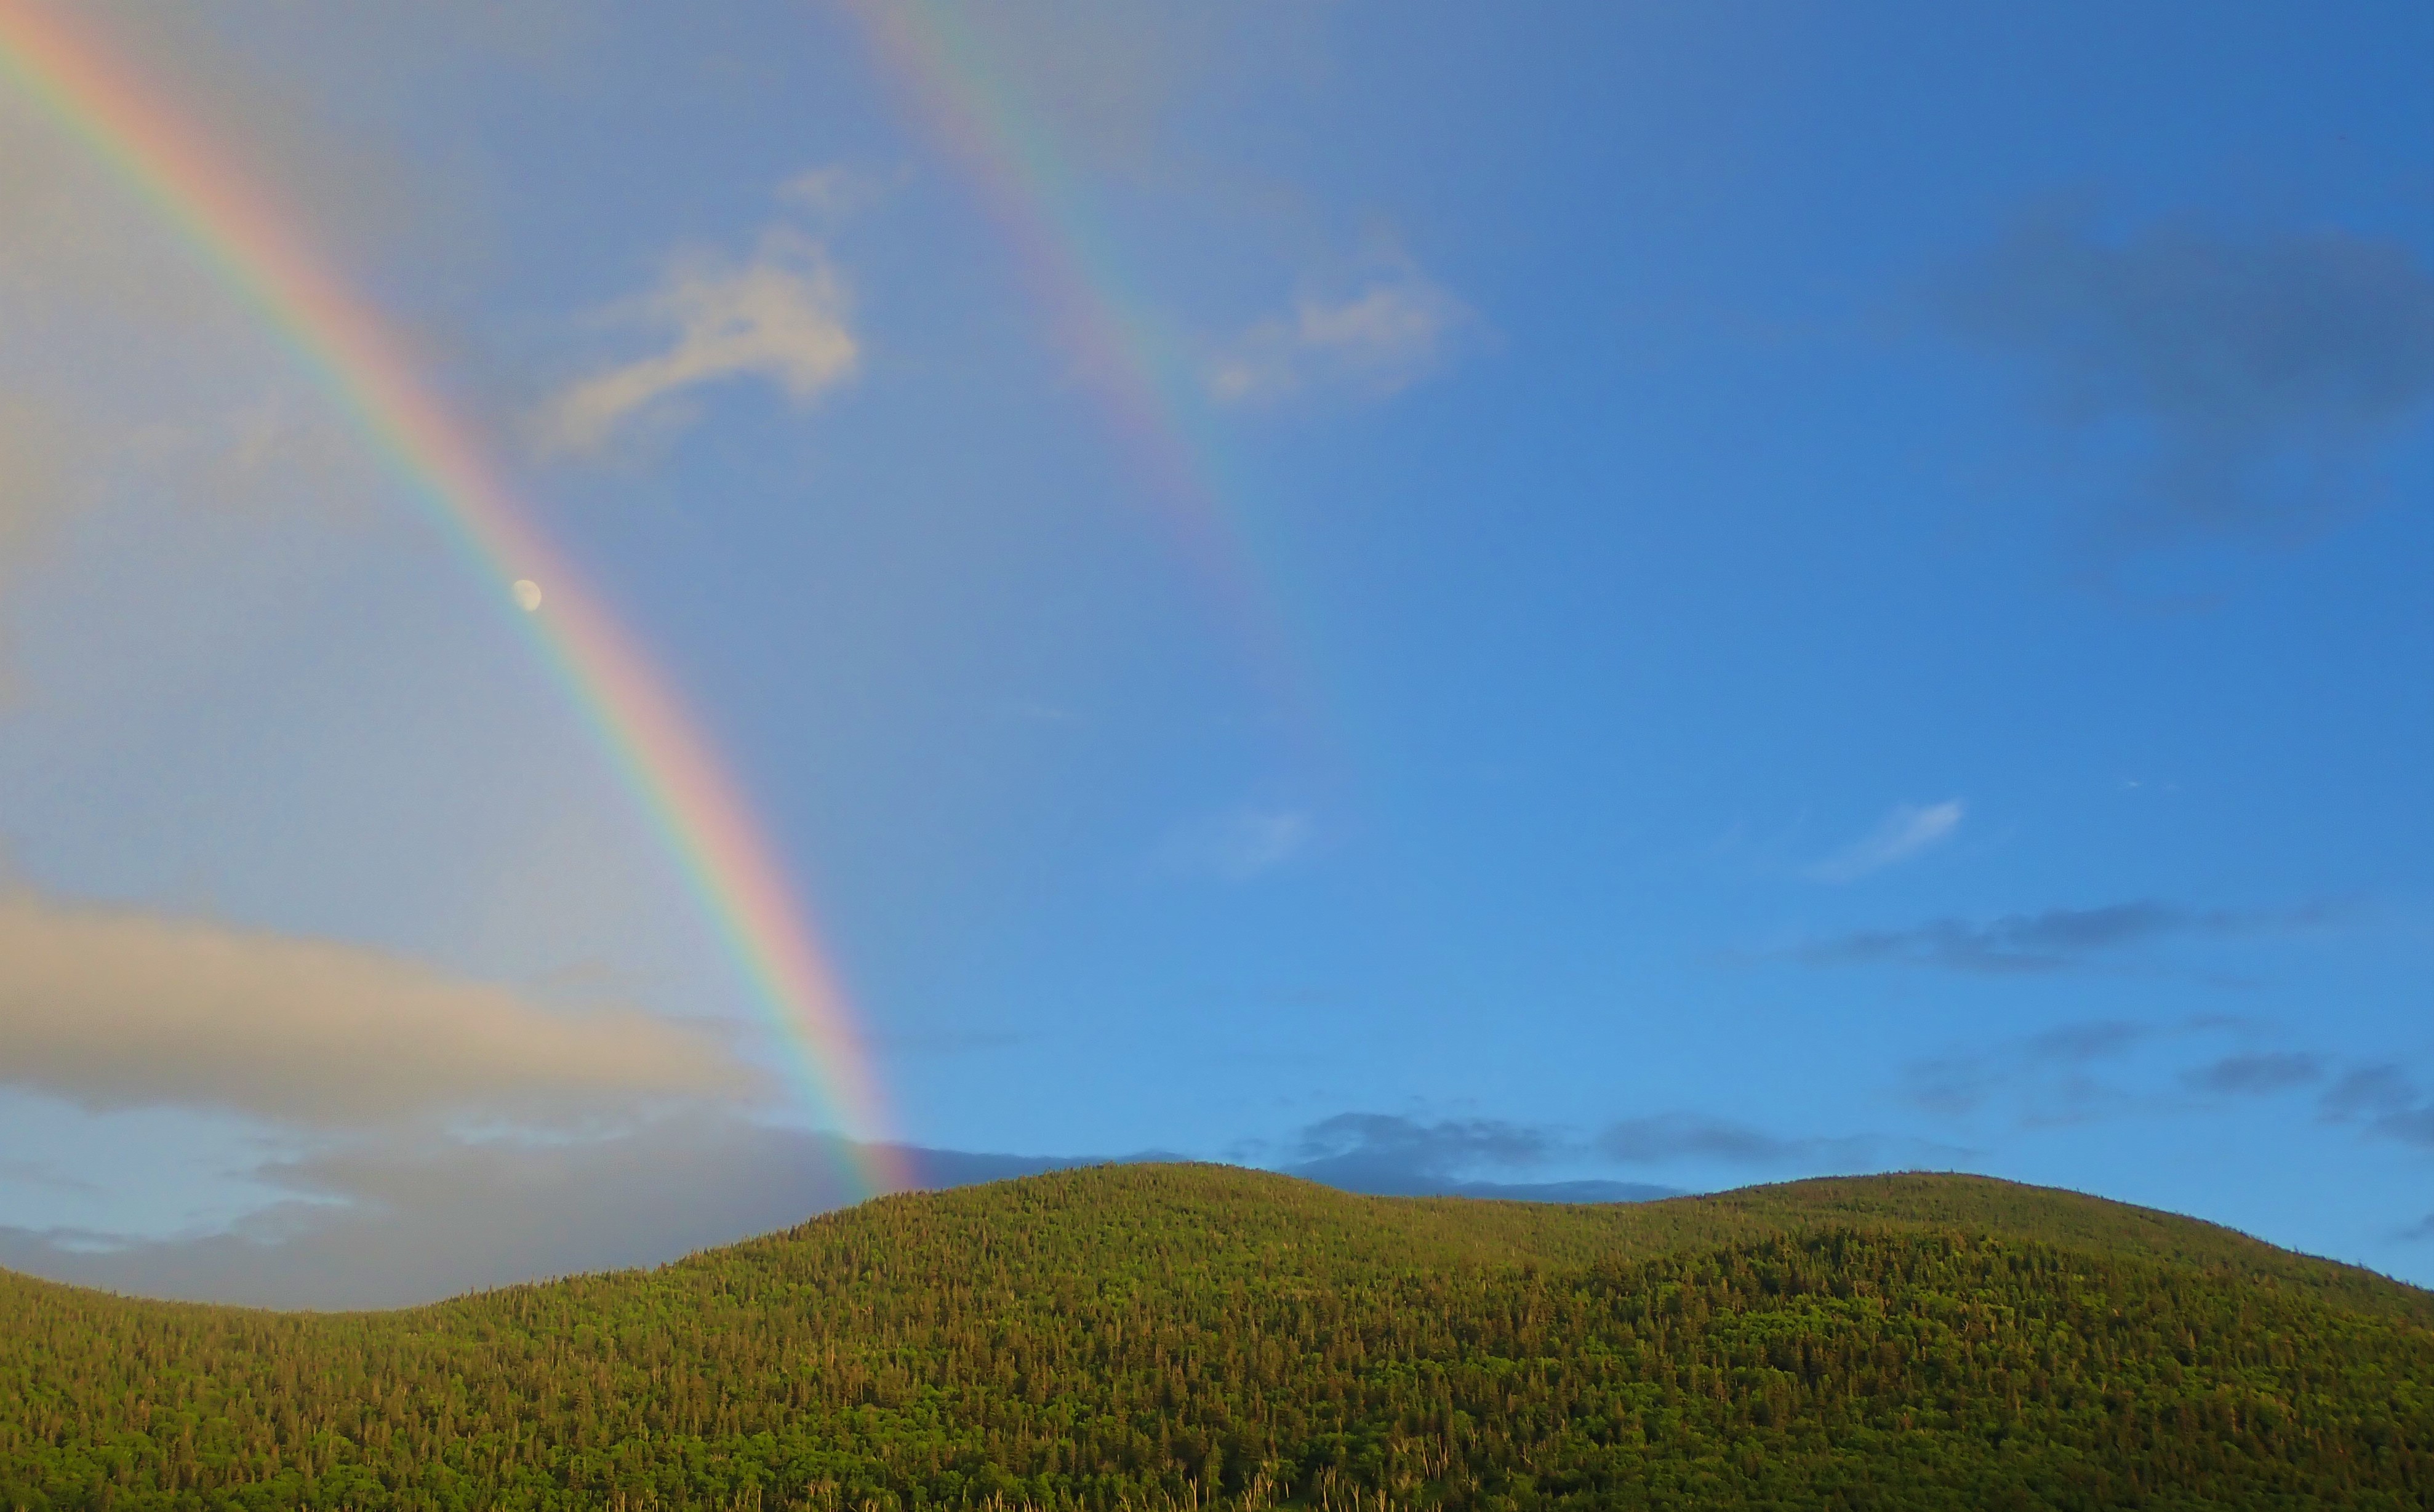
(1835, 589)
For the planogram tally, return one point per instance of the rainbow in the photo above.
(656, 746)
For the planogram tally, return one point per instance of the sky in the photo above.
(1581, 601)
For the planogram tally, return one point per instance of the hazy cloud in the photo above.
(1907, 832)
(2255, 373)
(112, 1009)
(780, 316)
(2093, 1039)
(390, 1225)
(1236, 846)
(2053, 941)
(2049, 1075)
(2099, 1068)
(2256, 1076)
(1382, 336)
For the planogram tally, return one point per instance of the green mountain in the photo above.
(1156, 1336)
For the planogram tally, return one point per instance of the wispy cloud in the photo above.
(1908, 831)
(2053, 941)
(2253, 373)
(780, 316)
(1236, 846)
(112, 1009)
(1381, 336)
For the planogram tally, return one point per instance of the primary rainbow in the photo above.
(657, 749)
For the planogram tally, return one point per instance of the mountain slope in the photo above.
(1178, 1334)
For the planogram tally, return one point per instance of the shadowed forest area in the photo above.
(1191, 1336)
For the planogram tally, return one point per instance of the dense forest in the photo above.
(1189, 1336)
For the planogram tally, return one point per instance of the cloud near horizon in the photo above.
(392, 1217)
(386, 1221)
(112, 1009)
(781, 316)
(391, 1224)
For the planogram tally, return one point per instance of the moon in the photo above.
(527, 594)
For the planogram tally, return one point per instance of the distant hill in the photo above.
(1172, 1335)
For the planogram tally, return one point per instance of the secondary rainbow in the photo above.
(1129, 363)
(656, 746)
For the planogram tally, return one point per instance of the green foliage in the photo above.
(1178, 1335)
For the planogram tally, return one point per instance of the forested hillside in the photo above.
(1185, 1336)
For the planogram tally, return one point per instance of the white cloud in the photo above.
(1237, 845)
(1386, 336)
(780, 316)
(1907, 832)
(112, 1009)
